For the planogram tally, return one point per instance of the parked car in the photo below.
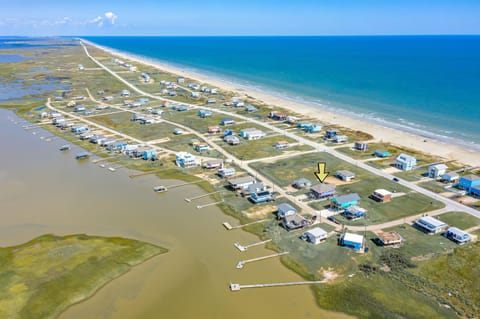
(333, 219)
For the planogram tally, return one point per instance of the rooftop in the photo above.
(347, 198)
(431, 221)
(354, 238)
(322, 188)
(317, 232)
(241, 180)
(382, 192)
(471, 177)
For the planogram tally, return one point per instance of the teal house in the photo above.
(381, 153)
(344, 201)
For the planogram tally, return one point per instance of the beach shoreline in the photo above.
(404, 137)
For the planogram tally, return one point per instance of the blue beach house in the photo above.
(261, 197)
(405, 162)
(227, 121)
(201, 147)
(150, 154)
(381, 153)
(285, 210)
(204, 113)
(303, 124)
(469, 183)
(313, 128)
(354, 241)
(331, 132)
(344, 201)
(458, 235)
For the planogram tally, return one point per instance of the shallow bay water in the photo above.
(43, 190)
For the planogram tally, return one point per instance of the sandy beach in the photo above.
(380, 133)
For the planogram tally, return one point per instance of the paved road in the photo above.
(449, 204)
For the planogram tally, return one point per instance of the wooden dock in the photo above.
(236, 287)
(200, 196)
(145, 173)
(185, 184)
(103, 159)
(229, 227)
(209, 204)
(244, 248)
(242, 263)
(113, 169)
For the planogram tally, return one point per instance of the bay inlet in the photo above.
(43, 190)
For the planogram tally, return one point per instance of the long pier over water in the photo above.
(236, 287)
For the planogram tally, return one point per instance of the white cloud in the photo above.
(98, 21)
(111, 16)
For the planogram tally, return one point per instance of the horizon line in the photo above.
(251, 35)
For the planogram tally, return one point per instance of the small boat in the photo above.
(160, 189)
(65, 147)
(82, 155)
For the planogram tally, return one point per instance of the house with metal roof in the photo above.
(281, 145)
(340, 139)
(355, 241)
(261, 197)
(405, 162)
(231, 139)
(285, 209)
(322, 190)
(316, 235)
(431, 225)
(354, 212)
(457, 235)
(302, 183)
(252, 134)
(331, 132)
(226, 172)
(381, 195)
(437, 171)
(250, 108)
(313, 128)
(227, 121)
(345, 175)
(241, 182)
(185, 160)
(254, 188)
(450, 177)
(468, 182)
(344, 201)
(294, 221)
(205, 113)
(214, 163)
(381, 153)
(361, 146)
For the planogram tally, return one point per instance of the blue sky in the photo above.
(247, 17)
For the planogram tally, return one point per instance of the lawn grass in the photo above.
(285, 171)
(434, 186)
(264, 147)
(121, 122)
(43, 277)
(418, 244)
(459, 219)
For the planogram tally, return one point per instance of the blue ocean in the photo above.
(428, 85)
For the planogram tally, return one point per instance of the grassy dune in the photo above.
(43, 277)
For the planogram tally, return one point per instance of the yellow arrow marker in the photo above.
(321, 174)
